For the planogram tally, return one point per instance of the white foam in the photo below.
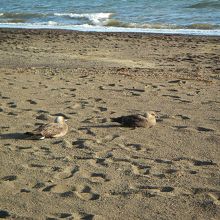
(90, 28)
(1, 14)
(95, 18)
(51, 23)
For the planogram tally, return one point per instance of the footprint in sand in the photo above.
(178, 81)
(204, 129)
(172, 90)
(68, 172)
(39, 185)
(180, 127)
(62, 215)
(99, 162)
(163, 161)
(48, 188)
(156, 190)
(5, 97)
(203, 162)
(173, 96)
(70, 216)
(86, 194)
(102, 109)
(44, 117)
(99, 177)
(63, 190)
(84, 104)
(88, 131)
(9, 178)
(82, 143)
(185, 101)
(23, 190)
(12, 114)
(99, 100)
(63, 143)
(12, 104)
(171, 171)
(36, 165)
(23, 147)
(215, 196)
(147, 191)
(32, 102)
(109, 137)
(136, 147)
(88, 120)
(140, 169)
(99, 119)
(184, 117)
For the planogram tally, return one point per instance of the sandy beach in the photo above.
(101, 170)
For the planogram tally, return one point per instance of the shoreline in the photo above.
(69, 31)
(187, 32)
(101, 170)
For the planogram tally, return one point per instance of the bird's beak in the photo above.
(65, 120)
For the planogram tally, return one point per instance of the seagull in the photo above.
(52, 130)
(147, 120)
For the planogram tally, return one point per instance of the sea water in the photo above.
(200, 17)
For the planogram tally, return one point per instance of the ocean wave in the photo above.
(206, 4)
(98, 20)
(201, 26)
(12, 21)
(94, 18)
(10, 15)
(117, 23)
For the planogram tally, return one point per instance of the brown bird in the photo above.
(137, 120)
(52, 130)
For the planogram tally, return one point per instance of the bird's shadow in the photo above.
(106, 126)
(15, 136)
(101, 126)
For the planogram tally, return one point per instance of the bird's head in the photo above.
(150, 114)
(59, 119)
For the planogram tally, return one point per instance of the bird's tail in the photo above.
(33, 136)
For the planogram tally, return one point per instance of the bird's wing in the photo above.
(51, 130)
(40, 129)
(37, 133)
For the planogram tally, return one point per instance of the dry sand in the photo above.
(100, 170)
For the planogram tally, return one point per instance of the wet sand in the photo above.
(100, 170)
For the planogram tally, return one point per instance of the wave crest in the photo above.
(94, 18)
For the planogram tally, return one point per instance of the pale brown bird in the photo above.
(147, 121)
(52, 130)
